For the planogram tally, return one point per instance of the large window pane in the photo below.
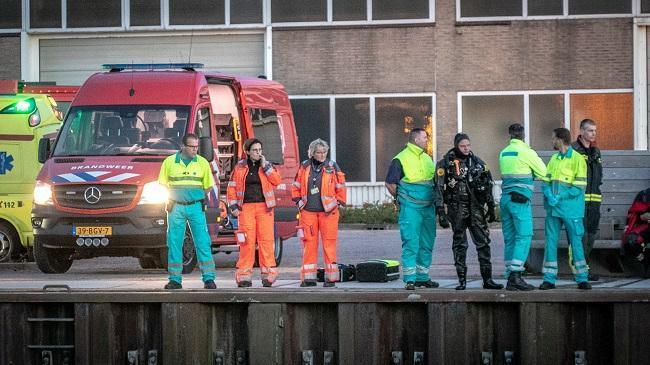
(546, 114)
(196, 12)
(312, 117)
(145, 12)
(298, 11)
(612, 114)
(44, 14)
(600, 7)
(267, 129)
(245, 11)
(485, 8)
(349, 10)
(400, 9)
(394, 118)
(545, 7)
(353, 138)
(10, 14)
(94, 13)
(486, 120)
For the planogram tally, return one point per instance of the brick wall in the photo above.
(447, 57)
(10, 51)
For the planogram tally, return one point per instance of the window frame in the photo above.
(368, 21)
(372, 120)
(526, 95)
(635, 10)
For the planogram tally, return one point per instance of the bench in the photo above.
(625, 174)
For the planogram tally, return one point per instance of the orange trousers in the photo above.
(312, 226)
(256, 226)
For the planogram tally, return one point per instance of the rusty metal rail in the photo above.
(325, 327)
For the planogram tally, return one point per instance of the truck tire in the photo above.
(278, 243)
(189, 255)
(51, 261)
(10, 245)
(147, 262)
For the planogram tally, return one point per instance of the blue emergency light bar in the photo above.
(116, 67)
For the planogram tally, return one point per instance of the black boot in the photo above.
(462, 279)
(488, 283)
(516, 283)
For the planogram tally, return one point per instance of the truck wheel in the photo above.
(189, 254)
(9, 242)
(278, 244)
(51, 261)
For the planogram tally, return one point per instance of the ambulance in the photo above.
(97, 193)
(28, 112)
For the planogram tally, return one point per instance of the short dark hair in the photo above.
(563, 134)
(585, 122)
(415, 132)
(189, 136)
(250, 142)
(517, 131)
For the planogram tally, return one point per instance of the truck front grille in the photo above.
(80, 197)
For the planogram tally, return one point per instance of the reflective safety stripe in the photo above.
(310, 276)
(232, 183)
(593, 198)
(338, 186)
(296, 184)
(185, 178)
(269, 194)
(549, 270)
(240, 193)
(232, 202)
(309, 267)
(421, 269)
(408, 271)
(329, 206)
(582, 270)
(517, 262)
(332, 266)
(517, 176)
(580, 263)
(270, 203)
(551, 264)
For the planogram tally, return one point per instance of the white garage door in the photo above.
(71, 61)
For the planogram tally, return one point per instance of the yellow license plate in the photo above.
(93, 231)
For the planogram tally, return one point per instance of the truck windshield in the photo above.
(122, 130)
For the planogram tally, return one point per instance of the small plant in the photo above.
(370, 213)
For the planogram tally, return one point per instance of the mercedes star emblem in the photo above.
(92, 195)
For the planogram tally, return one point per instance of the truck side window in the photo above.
(202, 126)
(266, 128)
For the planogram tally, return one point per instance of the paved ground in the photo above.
(354, 246)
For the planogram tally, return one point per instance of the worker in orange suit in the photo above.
(251, 198)
(319, 188)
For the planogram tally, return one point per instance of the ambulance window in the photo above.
(202, 126)
(266, 128)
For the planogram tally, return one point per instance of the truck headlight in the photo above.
(154, 193)
(43, 194)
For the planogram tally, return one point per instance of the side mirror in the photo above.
(206, 149)
(43, 149)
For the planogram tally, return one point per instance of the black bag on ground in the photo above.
(378, 271)
(346, 273)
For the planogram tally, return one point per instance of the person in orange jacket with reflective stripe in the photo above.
(251, 198)
(318, 190)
